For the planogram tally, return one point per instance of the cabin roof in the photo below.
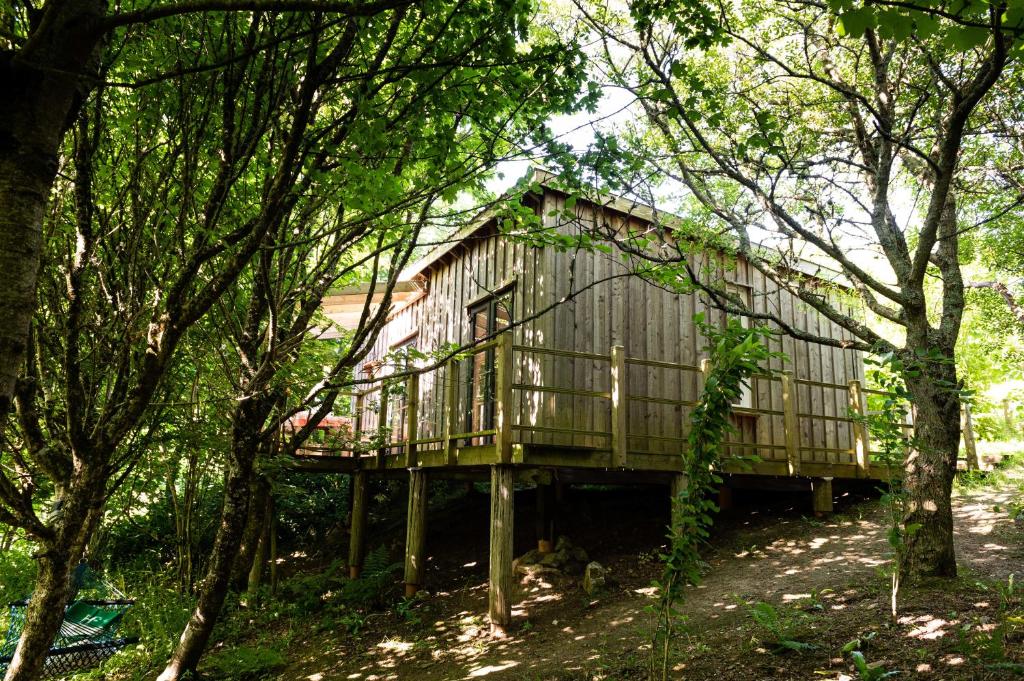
(616, 203)
(345, 306)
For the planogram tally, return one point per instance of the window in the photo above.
(486, 319)
(746, 296)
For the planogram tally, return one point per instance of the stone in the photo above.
(595, 577)
(566, 558)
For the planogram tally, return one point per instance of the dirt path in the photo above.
(823, 579)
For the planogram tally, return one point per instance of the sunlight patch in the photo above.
(492, 668)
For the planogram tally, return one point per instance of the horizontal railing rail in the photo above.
(387, 420)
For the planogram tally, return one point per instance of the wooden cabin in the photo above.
(577, 370)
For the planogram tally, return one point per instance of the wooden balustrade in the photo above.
(447, 433)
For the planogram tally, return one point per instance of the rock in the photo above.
(595, 577)
(567, 558)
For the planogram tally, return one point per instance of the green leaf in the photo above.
(855, 22)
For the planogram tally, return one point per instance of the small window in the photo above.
(746, 297)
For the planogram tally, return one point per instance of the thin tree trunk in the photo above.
(235, 513)
(258, 558)
(929, 473)
(254, 531)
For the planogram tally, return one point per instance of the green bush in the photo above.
(158, 617)
(17, 572)
(244, 663)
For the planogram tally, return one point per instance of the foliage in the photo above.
(885, 420)
(17, 573)
(992, 641)
(869, 672)
(157, 619)
(783, 627)
(735, 353)
(245, 663)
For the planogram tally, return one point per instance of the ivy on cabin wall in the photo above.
(736, 353)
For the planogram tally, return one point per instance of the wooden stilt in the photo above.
(821, 490)
(357, 531)
(416, 532)
(725, 498)
(545, 517)
(502, 509)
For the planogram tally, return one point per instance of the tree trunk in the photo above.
(929, 472)
(258, 558)
(44, 616)
(41, 88)
(234, 514)
(251, 538)
(73, 526)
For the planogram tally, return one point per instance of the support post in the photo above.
(790, 422)
(679, 483)
(357, 531)
(412, 418)
(970, 447)
(499, 598)
(503, 399)
(545, 517)
(620, 409)
(725, 498)
(451, 421)
(861, 443)
(821, 491)
(416, 532)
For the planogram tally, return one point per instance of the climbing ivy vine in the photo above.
(735, 353)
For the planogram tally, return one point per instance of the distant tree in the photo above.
(846, 133)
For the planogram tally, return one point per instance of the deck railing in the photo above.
(390, 424)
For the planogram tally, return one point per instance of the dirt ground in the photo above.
(824, 579)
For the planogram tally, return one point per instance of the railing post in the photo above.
(357, 425)
(861, 443)
(970, 447)
(503, 399)
(790, 422)
(451, 421)
(619, 407)
(383, 430)
(412, 416)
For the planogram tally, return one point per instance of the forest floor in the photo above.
(820, 582)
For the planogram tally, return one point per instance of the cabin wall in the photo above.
(602, 307)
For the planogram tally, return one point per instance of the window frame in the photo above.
(489, 304)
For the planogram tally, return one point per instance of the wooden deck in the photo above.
(390, 433)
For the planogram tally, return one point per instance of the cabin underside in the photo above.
(488, 420)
